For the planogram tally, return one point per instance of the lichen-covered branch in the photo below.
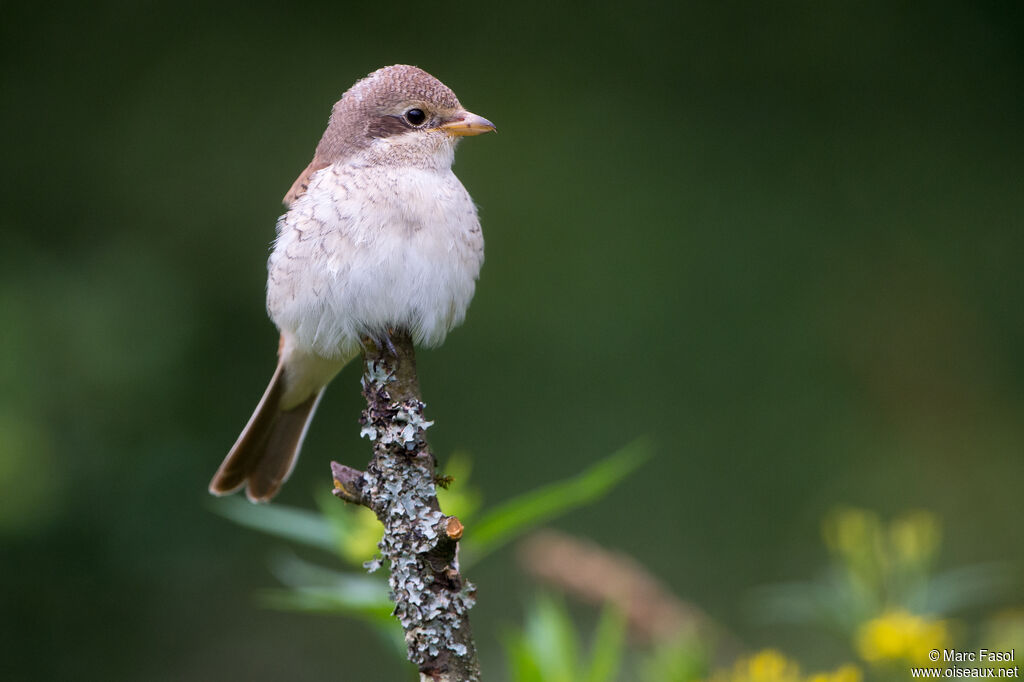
(420, 543)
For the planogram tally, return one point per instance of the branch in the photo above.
(420, 543)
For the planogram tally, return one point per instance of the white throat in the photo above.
(433, 150)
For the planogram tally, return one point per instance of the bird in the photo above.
(379, 235)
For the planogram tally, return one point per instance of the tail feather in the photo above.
(281, 450)
(265, 453)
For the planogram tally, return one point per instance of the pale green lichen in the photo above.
(401, 494)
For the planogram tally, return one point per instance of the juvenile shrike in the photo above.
(379, 235)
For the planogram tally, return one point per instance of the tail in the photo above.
(264, 455)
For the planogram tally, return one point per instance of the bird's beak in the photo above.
(465, 123)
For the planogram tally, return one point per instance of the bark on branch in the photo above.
(420, 543)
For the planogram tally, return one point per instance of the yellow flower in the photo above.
(767, 666)
(915, 538)
(770, 665)
(857, 538)
(900, 635)
(844, 673)
(853, 533)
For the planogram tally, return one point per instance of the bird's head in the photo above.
(399, 114)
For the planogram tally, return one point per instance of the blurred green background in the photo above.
(784, 240)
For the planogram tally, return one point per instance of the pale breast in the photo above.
(367, 249)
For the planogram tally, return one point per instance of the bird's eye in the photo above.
(415, 116)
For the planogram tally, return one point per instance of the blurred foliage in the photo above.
(867, 552)
(770, 665)
(881, 594)
(782, 238)
(511, 518)
(352, 532)
(548, 648)
(881, 588)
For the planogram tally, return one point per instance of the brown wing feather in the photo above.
(301, 183)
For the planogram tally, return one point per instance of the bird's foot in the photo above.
(380, 343)
(389, 344)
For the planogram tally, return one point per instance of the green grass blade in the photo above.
(315, 588)
(522, 666)
(552, 640)
(608, 646)
(327, 600)
(291, 523)
(514, 517)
